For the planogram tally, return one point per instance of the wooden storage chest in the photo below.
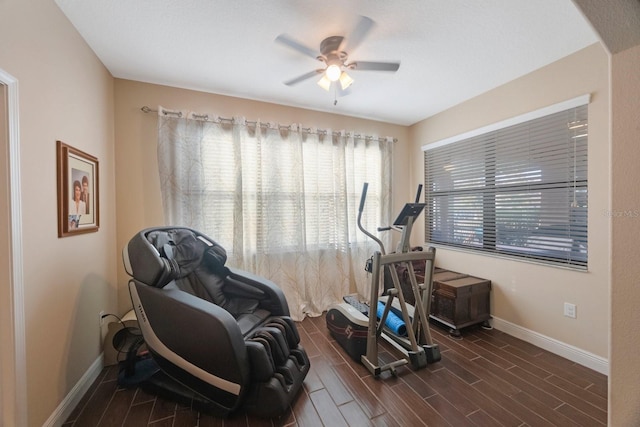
(460, 300)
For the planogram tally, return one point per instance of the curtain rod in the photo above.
(205, 117)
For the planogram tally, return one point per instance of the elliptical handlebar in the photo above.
(363, 197)
(418, 193)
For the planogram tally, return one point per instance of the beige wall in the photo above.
(138, 188)
(624, 380)
(64, 93)
(525, 294)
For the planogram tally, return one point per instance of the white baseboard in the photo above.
(584, 358)
(72, 399)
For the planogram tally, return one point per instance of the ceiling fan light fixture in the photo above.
(324, 82)
(333, 72)
(345, 80)
(334, 55)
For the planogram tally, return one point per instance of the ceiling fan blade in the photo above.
(293, 44)
(374, 66)
(358, 34)
(303, 77)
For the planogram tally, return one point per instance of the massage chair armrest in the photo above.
(200, 333)
(271, 297)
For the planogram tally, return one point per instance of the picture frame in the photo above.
(78, 191)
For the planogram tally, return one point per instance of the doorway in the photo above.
(13, 378)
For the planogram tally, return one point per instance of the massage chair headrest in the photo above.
(156, 256)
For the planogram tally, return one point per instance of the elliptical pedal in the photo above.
(355, 303)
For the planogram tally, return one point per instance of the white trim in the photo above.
(69, 403)
(19, 382)
(532, 115)
(575, 354)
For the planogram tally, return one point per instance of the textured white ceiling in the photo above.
(450, 50)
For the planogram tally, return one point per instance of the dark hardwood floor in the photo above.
(487, 378)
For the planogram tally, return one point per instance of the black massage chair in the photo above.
(220, 339)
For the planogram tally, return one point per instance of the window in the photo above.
(517, 188)
(292, 196)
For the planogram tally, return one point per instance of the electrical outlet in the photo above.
(101, 318)
(570, 310)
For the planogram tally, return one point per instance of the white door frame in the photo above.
(13, 405)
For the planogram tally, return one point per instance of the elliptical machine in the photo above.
(355, 325)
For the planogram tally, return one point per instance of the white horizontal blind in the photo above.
(520, 190)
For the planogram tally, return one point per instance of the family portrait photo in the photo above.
(77, 191)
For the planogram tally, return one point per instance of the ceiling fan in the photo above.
(333, 53)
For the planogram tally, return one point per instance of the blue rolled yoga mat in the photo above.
(393, 322)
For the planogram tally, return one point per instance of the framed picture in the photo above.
(78, 190)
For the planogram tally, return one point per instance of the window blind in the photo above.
(519, 190)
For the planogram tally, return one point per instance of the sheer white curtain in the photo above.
(283, 202)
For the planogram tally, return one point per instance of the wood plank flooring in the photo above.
(488, 378)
